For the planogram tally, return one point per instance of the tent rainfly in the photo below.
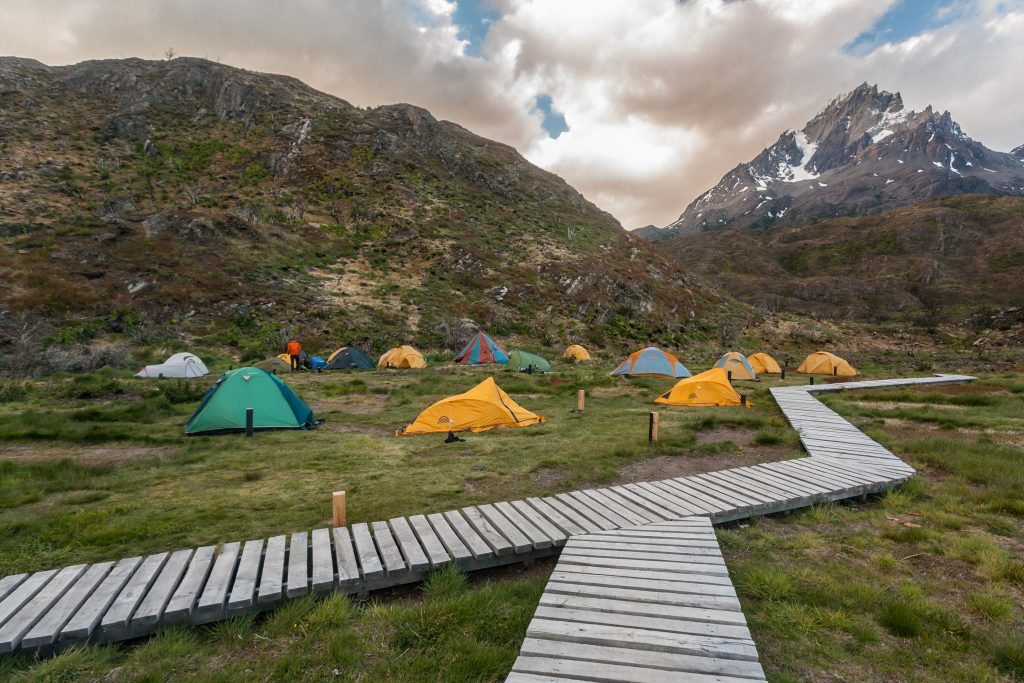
(576, 353)
(274, 404)
(402, 357)
(522, 361)
(348, 358)
(764, 364)
(825, 363)
(481, 349)
(711, 388)
(483, 407)
(651, 362)
(180, 365)
(736, 363)
(275, 364)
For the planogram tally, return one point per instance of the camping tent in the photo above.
(481, 349)
(711, 388)
(736, 363)
(651, 362)
(317, 363)
(180, 365)
(825, 363)
(576, 353)
(483, 407)
(764, 364)
(349, 358)
(274, 404)
(522, 361)
(275, 363)
(402, 357)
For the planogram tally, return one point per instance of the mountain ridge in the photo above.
(863, 153)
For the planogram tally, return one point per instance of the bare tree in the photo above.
(169, 53)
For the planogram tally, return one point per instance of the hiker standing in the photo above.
(295, 353)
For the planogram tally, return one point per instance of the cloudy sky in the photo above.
(640, 104)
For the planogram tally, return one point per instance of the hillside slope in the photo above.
(862, 154)
(943, 260)
(186, 197)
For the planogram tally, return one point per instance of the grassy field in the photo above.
(923, 584)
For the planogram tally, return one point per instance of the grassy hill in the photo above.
(186, 199)
(946, 260)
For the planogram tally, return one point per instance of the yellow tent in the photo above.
(576, 353)
(402, 357)
(764, 364)
(825, 363)
(736, 363)
(483, 407)
(711, 388)
(285, 358)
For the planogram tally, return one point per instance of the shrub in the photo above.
(901, 619)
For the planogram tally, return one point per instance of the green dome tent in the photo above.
(521, 361)
(349, 358)
(274, 404)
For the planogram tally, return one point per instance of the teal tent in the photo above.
(274, 404)
(522, 361)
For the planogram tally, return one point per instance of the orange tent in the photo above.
(711, 388)
(483, 407)
(825, 363)
(764, 364)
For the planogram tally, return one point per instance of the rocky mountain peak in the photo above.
(864, 152)
(1018, 151)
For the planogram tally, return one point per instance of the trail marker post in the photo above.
(338, 506)
(652, 428)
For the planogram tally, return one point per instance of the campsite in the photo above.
(108, 459)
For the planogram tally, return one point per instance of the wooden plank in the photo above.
(661, 661)
(487, 531)
(692, 496)
(585, 506)
(539, 520)
(243, 591)
(477, 544)
(713, 480)
(714, 488)
(536, 537)
(671, 500)
(450, 539)
(667, 581)
(20, 623)
(582, 521)
(47, 629)
(298, 565)
(22, 593)
(606, 614)
(345, 557)
(431, 542)
(323, 561)
(151, 609)
(684, 594)
(394, 563)
(9, 583)
(409, 544)
(181, 604)
(366, 551)
(611, 511)
(114, 623)
(272, 574)
(560, 520)
(520, 543)
(643, 508)
(85, 620)
(762, 488)
(620, 544)
(574, 669)
(213, 600)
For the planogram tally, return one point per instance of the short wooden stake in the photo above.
(652, 428)
(835, 371)
(338, 519)
(811, 380)
(581, 399)
(249, 428)
(783, 373)
(743, 400)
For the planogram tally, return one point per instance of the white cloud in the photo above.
(661, 97)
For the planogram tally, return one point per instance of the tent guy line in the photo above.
(133, 597)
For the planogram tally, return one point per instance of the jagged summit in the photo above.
(863, 153)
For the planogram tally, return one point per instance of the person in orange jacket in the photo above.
(295, 353)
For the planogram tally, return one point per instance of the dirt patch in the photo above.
(611, 392)
(92, 456)
(551, 478)
(356, 404)
(670, 466)
(741, 436)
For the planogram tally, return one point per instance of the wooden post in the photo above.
(581, 399)
(811, 379)
(338, 518)
(249, 429)
(783, 373)
(835, 371)
(743, 400)
(652, 428)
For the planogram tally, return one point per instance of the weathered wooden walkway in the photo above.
(119, 600)
(647, 604)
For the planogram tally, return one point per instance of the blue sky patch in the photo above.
(554, 122)
(907, 18)
(473, 19)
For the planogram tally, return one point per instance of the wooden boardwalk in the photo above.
(648, 604)
(132, 597)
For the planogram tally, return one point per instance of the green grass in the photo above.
(923, 583)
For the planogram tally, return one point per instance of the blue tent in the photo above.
(317, 363)
(481, 349)
(651, 362)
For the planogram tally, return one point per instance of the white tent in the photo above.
(180, 365)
